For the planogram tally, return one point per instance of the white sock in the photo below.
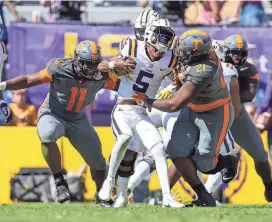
(142, 170)
(161, 165)
(122, 186)
(117, 154)
(213, 182)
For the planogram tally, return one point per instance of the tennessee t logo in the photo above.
(197, 41)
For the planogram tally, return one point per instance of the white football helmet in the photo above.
(142, 21)
(220, 50)
(160, 35)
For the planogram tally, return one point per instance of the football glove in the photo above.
(167, 92)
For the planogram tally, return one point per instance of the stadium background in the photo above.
(31, 46)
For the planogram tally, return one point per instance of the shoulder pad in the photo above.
(54, 64)
(123, 43)
(200, 69)
(129, 47)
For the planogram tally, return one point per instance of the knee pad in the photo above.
(150, 161)
(47, 136)
(126, 167)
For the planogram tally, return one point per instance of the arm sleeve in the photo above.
(47, 73)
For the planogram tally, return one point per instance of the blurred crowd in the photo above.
(242, 13)
(229, 12)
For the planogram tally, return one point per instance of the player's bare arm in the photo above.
(184, 95)
(118, 64)
(22, 82)
(235, 96)
(250, 88)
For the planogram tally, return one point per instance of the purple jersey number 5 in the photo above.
(141, 86)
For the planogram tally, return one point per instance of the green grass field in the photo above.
(139, 213)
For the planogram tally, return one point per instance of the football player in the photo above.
(154, 62)
(74, 83)
(3, 56)
(243, 129)
(158, 118)
(230, 74)
(206, 115)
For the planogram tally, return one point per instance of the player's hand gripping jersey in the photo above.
(208, 77)
(68, 95)
(148, 75)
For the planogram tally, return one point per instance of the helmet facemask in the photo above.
(87, 69)
(186, 56)
(162, 38)
(237, 57)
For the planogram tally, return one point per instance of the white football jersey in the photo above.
(3, 56)
(166, 82)
(229, 71)
(148, 75)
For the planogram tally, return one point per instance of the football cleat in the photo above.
(101, 202)
(105, 192)
(62, 190)
(230, 173)
(204, 199)
(268, 195)
(121, 201)
(168, 201)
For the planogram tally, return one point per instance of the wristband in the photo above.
(111, 64)
(3, 85)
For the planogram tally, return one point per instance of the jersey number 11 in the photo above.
(73, 96)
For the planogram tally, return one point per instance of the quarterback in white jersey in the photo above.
(154, 61)
(3, 105)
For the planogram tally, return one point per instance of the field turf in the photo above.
(140, 213)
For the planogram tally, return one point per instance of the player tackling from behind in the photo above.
(153, 64)
(206, 115)
(74, 83)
